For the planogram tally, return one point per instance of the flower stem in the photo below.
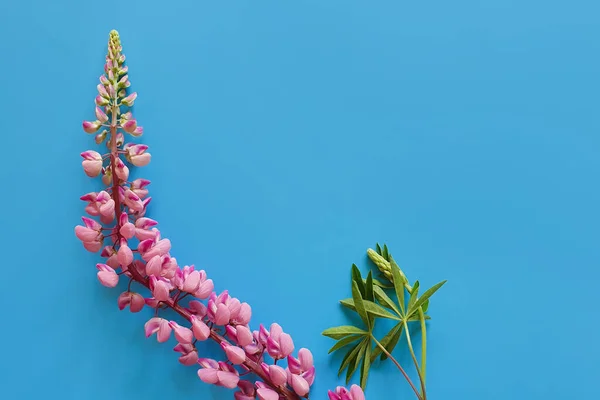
(387, 353)
(423, 344)
(412, 353)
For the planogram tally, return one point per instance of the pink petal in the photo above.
(164, 331)
(243, 335)
(234, 354)
(357, 393)
(208, 375)
(267, 394)
(286, 344)
(228, 379)
(199, 328)
(277, 374)
(151, 327)
(306, 359)
(300, 385)
(182, 334)
(222, 315)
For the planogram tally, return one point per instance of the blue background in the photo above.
(287, 138)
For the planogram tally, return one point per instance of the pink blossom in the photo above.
(129, 100)
(101, 116)
(150, 248)
(264, 393)
(130, 125)
(189, 354)
(136, 154)
(101, 101)
(240, 334)
(107, 276)
(100, 204)
(121, 170)
(160, 326)
(246, 392)
(279, 344)
(160, 289)
(137, 132)
(235, 355)
(138, 187)
(276, 373)
(90, 234)
(199, 328)
(132, 201)
(92, 163)
(127, 229)
(182, 334)
(218, 373)
(341, 393)
(124, 255)
(91, 127)
(135, 301)
(299, 384)
(197, 308)
(110, 254)
(102, 91)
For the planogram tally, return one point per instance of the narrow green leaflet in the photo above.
(385, 300)
(340, 332)
(359, 305)
(356, 277)
(348, 303)
(361, 353)
(414, 295)
(366, 365)
(349, 357)
(344, 342)
(428, 293)
(377, 310)
(369, 287)
(399, 288)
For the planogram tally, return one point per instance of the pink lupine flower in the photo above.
(90, 234)
(136, 154)
(218, 373)
(160, 326)
(100, 137)
(124, 81)
(101, 101)
(279, 344)
(100, 204)
(341, 393)
(142, 229)
(150, 248)
(138, 187)
(182, 334)
(124, 255)
(240, 334)
(101, 116)
(121, 170)
(220, 308)
(91, 127)
(235, 355)
(102, 91)
(299, 384)
(189, 354)
(107, 276)
(135, 301)
(187, 279)
(246, 392)
(264, 393)
(160, 289)
(133, 201)
(154, 266)
(197, 308)
(137, 132)
(302, 371)
(110, 254)
(92, 163)
(277, 374)
(127, 229)
(129, 100)
(243, 315)
(103, 80)
(199, 328)
(130, 125)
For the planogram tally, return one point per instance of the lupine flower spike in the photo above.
(134, 250)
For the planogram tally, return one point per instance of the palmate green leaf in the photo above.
(349, 303)
(356, 277)
(377, 310)
(359, 305)
(359, 356)
(425, 297)
(349, 357)
(389, 341)
(340, 332)
(344, 342)
(366, 365)
(385, 300)
(399, 288)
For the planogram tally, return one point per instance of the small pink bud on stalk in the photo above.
(91, 127)
(129, 100)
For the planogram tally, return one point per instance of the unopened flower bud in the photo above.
(129, 100)
(101, 101)
(100, 137)
(91, 127)
(102, 117)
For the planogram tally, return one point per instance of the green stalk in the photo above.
(423, 344)
(412, 353)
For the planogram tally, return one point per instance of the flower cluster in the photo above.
(133, 248)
